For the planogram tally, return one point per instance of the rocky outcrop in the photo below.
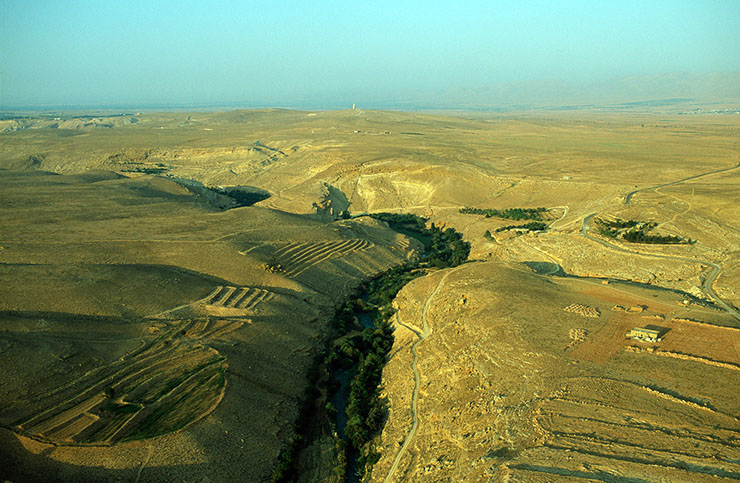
(332, 204)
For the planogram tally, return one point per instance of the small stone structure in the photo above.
(644, 334)
(582, 310)
(578, 335)
(658, 317)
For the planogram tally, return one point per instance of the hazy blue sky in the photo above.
(279, 52)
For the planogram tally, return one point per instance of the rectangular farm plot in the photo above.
(607, 341)
(678, 335)
(621, 296)
(720, 344)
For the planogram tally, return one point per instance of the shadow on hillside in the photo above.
(546, 268)
(21, 465)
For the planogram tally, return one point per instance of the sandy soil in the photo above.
(99, 262)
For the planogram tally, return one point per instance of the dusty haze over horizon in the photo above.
(327, 55)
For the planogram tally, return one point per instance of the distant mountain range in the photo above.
(676, 91)
(633, 91)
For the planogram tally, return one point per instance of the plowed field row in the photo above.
(144, 394)
(296, 258)
(638, 441)
(246, 298)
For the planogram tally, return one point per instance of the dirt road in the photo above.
(426, 331)
(708, 280)
(629, 196)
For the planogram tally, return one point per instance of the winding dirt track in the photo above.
(716, 269)
(565, 213)
(708, 280)
(426, 331)
(629, 196)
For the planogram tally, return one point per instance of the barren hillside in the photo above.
(178, 329)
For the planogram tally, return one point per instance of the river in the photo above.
(339, 400)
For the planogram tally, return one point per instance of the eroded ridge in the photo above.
(296, 258)
(167, 384)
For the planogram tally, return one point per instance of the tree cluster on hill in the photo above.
(532, 226)
(243, 197)
(158, 168)
(443, 248)
(639, 236)
(616, 227)
(508, 214)
(635, 231)
(404, 221)
(619, 223)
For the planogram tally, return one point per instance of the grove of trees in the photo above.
(508, 213)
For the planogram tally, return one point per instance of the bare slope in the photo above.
(511, 387)
(143, 336)
(579, 163)
(544, 390)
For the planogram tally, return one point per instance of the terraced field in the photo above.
(245, 298)
(296, 258)
(125, 337)
(601, 420)
(553, 397)
(166, 384)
